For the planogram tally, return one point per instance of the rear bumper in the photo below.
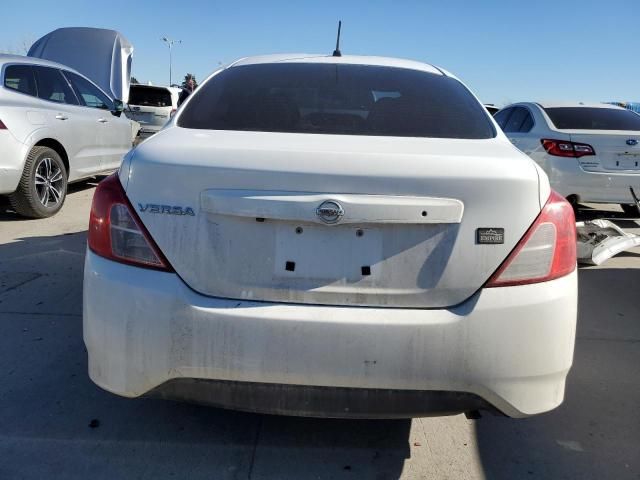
(12, 157)
(310, 401)
(567, 178)
(512, 347)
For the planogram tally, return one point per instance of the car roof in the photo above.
(5, 58)
(550, 104)
(345, 59)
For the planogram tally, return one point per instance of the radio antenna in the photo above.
(336, 52)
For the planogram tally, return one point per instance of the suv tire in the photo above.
(43, 186)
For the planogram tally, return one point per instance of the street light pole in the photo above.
(170, 43)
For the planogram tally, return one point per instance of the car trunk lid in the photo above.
(615, 151)
(332, 219)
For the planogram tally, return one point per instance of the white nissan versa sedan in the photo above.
(332, 236)
(56, 126)
(591, 152)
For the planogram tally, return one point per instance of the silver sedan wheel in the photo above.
(49, 182)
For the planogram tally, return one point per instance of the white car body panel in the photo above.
(11, 167)
(512, 345)
(302, 207)
(79, 129)
(116, 138)
(93, 140)
(480, 174)
(595, 178)
(351, 59)
(228, 209)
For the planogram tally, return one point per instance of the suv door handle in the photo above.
(103, 120)
(60, 116)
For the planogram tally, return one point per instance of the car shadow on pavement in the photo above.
(55, 423)
(594, 434)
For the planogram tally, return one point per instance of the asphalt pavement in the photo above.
(55, 423)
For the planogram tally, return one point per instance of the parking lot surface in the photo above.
(55, 423)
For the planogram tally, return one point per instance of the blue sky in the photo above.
(503, 50)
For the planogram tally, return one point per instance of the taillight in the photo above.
(173, 112)
(2, 126)
(547, 250)
(116, 232)
(564, 148)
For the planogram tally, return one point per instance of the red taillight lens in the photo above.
(547, 250)
(116, 232)
(564, 148)
(2, 126)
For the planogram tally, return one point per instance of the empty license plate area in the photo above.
(327, 253)
(627, 161)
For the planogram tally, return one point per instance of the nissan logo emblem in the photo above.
(330, 212)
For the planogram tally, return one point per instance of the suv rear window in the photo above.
(149, 96)
(585, 118)
(337, 99)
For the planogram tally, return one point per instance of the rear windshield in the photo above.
(337, 99)
(585, 118)
(149, 96)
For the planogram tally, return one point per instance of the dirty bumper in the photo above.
(310, 401)
(512, 347)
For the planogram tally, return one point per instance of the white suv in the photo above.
(591, 152)
(332, 236)
(56, 126)
(151, 106)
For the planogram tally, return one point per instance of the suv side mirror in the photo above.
(118, 107)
